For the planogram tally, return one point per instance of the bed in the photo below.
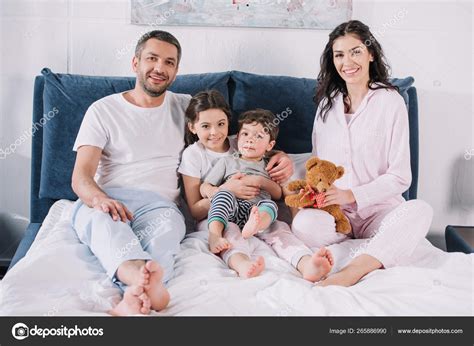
(70, 281)
(51, 263)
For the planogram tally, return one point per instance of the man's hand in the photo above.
(338, 196)
(116, 209)
(243, 186)
(280, 167)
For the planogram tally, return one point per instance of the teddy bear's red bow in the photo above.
(316, 197)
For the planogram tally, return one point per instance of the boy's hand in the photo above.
(116, 209)
(280, 167)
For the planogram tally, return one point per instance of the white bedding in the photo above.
(60, 276)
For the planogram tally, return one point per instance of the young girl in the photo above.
(208, 118)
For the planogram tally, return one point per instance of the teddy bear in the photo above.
(320, 175)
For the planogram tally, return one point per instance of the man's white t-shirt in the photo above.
(141, 147)
(197, 160)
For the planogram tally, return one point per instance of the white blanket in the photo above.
(60, 276)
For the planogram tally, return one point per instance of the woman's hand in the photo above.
(338, 196)
(243, 187)
(280, 167)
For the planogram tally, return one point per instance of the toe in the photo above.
(136, 290)
(144, 298)
(145, 310)
(152, 266)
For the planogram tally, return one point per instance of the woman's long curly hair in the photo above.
(331, 83)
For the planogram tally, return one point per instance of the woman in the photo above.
(362, 124)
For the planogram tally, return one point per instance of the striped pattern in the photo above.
(225, 207)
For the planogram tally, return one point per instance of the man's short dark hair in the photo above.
(159, 35)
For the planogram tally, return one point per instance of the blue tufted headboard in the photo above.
(52, 156)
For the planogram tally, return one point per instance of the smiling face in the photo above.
(351, 59)
(156, 67)
(211, 127)
(254, 141)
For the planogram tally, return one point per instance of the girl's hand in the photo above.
(280, 167)
(242, 188)
(252, 180)
(338, 196)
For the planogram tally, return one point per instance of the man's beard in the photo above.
(150, 91)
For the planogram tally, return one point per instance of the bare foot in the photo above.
(344, 278)
(152, 276)
(347, 277)
(217, 243)
(317, 266)
(353, 272)
(135, 301)
(129, 272)
(253, 223)
(249, 269)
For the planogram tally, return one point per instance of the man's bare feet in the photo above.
(129, 272)
(315, 267)
(152, 276)
(353, 272)
(258, 221)
(135, 301)
(148, 277)
(217, 243)
(245, 267)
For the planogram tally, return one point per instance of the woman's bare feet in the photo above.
(152, 276)
(135, 301)
(316, 267)
(217, 243)
(353, 272)
(245, 267)
(257, 221)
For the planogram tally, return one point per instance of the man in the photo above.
(128, 151)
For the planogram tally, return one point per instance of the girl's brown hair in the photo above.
(203, 101)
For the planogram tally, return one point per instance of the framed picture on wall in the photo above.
(300, 14)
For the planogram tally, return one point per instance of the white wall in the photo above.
(431, 41)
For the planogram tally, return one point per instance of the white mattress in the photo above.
(60, 276)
